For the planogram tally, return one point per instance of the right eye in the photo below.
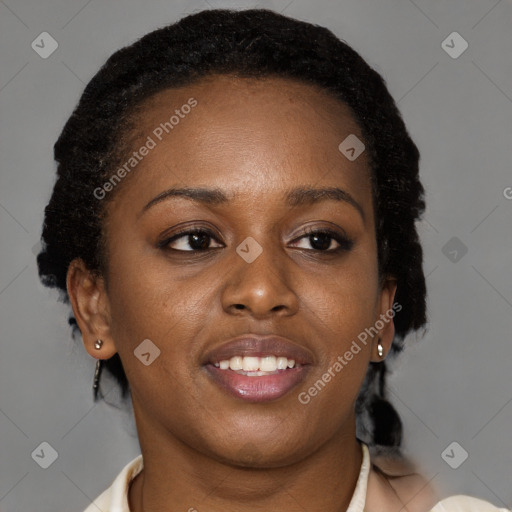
(197, 239)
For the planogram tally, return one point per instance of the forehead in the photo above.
(263, 105)
(250, 135)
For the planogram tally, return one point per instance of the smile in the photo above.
(258, 369)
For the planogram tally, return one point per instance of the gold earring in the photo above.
(98, 344)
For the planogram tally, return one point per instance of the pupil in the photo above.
(203, 241)
(325, 241)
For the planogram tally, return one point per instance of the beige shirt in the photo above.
(115, 498)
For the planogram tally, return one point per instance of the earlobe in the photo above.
(384, 321)
(89, 301)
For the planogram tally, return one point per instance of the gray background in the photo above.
(452, 385)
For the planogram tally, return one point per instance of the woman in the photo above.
(234, 226)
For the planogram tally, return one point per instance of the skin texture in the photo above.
(203, 448)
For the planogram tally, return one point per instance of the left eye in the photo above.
(321, 240)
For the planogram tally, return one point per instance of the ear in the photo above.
(90, 305)
(384, 321)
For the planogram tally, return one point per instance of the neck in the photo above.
(176, 477)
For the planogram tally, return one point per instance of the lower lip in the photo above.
(262, 388)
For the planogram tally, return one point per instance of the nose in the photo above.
(261, 288)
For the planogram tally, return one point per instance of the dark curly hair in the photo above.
(254, 43)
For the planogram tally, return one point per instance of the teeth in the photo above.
(282, 363)
(235, 363)
(251, 364)
(256, 364)
(268, 364)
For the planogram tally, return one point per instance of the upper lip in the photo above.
(259, 346)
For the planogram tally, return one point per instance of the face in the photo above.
(246, 257)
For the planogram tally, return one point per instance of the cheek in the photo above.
(345, 300)
(147, 291)
(152, 300)
(338, 319)
(151, 315)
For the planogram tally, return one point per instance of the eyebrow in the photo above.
(300, 196)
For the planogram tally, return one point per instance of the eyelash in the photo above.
(345, 244)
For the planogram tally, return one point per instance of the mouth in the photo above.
(258, 369)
